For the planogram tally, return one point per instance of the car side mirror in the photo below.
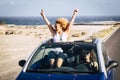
(22, 63)
(112, 64)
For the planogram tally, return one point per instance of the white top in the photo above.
(60, 38)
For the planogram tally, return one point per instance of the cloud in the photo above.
(11, 3)
(8, 3)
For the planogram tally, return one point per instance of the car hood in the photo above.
(39, 76)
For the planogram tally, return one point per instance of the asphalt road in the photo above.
(113, 48)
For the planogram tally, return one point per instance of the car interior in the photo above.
(74, 59)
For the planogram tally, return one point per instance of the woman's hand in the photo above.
(75, 11)
(42, 12)
(95, 65)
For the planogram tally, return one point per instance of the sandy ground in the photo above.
(18, 44)
(13, 49)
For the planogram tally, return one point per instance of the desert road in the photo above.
(112, 45)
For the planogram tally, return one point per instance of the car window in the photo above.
(39, 58)
(73, 58)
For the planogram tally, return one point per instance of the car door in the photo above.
(106, 60)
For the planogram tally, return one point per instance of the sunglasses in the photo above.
(85, 52)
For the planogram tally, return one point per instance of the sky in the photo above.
(59, 7)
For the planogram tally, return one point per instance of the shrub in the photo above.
(2, 22)
(76, 35)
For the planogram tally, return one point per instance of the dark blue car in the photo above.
(75, 66)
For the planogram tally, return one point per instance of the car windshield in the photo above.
(78, 57)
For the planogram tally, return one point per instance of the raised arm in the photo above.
(72, 20)
(47, 22)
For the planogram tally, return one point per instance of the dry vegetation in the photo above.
(103, 33)
(78, 34)
(42, 32)
(36, 31)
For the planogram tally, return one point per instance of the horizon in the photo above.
(40, 21)
(58, 16)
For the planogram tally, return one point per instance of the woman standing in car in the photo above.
(60, 32)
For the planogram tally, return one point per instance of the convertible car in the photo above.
(74, 67)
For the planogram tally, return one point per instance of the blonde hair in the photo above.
(63, 22)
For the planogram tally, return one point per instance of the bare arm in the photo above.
(72, 20)
(47, 22)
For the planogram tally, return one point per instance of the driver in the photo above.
(89, 60)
